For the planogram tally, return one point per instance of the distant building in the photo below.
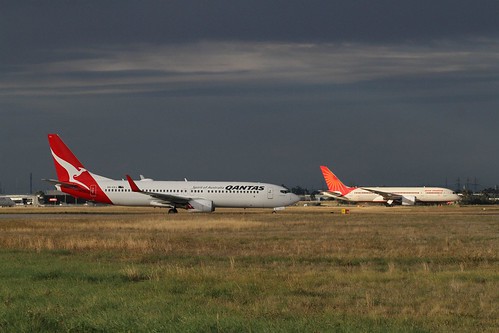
(21, 199)
(55, 197)
(6, 202)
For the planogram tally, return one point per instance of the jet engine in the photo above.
(201, 205)
(409, 200)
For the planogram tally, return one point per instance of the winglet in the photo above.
(133, 186)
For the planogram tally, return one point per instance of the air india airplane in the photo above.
(406, 196)
(196, 196)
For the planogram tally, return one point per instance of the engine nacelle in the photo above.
(408, 200)
(201, 205)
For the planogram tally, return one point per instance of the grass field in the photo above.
(305, 269)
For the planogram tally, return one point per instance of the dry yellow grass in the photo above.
(302, 231)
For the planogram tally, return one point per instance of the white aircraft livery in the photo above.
(197, 196)
(406, 196)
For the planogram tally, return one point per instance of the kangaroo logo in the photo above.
(71, 170)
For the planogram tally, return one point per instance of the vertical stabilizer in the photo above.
(74, 178)
(333, 182)
(67, 165)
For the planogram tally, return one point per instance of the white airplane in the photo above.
(406, 196)
(196, 196)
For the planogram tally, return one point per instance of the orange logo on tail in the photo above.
(333, 183)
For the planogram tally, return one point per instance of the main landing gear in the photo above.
(172, 210)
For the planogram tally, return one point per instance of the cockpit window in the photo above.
(285, 191)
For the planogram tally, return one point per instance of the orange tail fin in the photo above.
(333, 183)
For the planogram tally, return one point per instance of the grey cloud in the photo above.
(29, 28)
(385, 92)
(167, 19)
(146, 68)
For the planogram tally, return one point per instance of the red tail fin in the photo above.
(333, 183)
(67, 165)
(70, 171)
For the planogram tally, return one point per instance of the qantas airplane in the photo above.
(406, 196)
(196, 196)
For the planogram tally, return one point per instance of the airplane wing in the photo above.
(164, 199)
(66, 184)
(390, 198)
(386, 195)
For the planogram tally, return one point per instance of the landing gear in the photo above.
(173, 211)
(276, 209)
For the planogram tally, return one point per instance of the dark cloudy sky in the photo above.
(386, 92)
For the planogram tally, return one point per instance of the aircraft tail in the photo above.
(333, 183)
(66, 163)
(72, 175)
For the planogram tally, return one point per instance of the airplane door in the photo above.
(270, 194)
(93, 191)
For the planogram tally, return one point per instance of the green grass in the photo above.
(50, 292)
(376, 270)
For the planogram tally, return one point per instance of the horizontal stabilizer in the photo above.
(66, 184)
(334, 195)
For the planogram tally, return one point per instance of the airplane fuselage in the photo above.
(422, 194)
(198, 196)
(406, 196)
(222, 194)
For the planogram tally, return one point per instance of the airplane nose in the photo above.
(294, 198)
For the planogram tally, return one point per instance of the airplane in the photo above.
(195, 196)
(406, 196)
